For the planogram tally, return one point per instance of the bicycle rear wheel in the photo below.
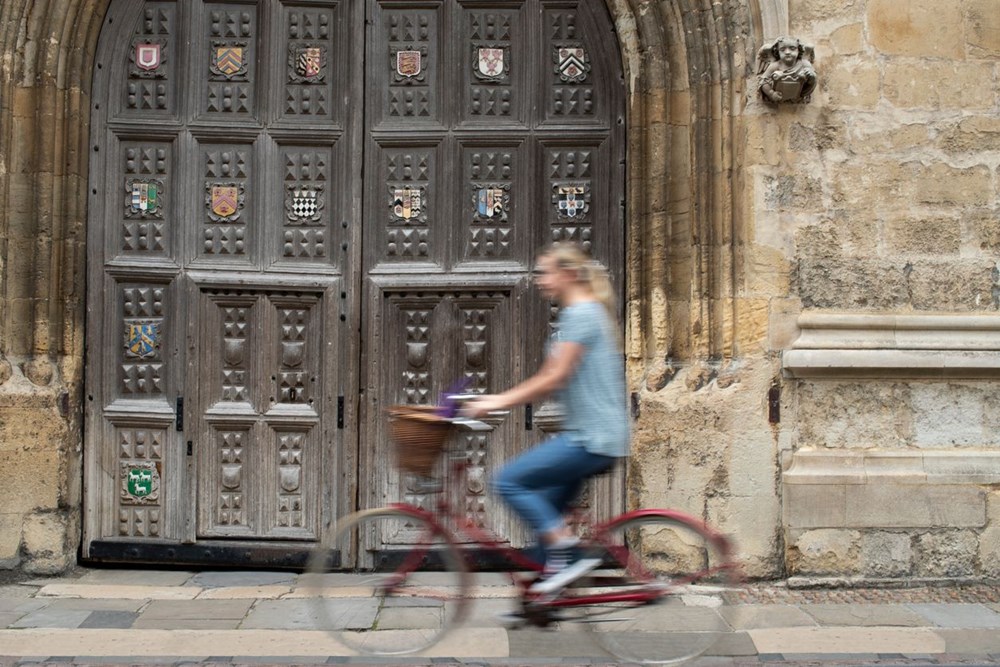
(401, 598)
(680, 567)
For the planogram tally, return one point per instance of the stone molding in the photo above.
(952, 466)
(857, 345)
(882, 490)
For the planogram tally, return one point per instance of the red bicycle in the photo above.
(650, 601)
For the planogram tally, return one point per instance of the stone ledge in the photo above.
(858, 345)
(888, 489)
(954, 466)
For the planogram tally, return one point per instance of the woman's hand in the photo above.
(482, 405)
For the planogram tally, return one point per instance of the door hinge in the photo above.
(340, 412)
(179, 414)
(528, 423)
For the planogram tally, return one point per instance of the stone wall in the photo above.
(744, 221)
(883, 194)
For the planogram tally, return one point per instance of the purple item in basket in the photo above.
(447, 406)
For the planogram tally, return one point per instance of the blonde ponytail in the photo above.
(571, 256)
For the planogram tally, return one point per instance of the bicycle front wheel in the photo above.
(409, 586)
(663, 577)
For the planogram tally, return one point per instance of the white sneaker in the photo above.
(565, 576)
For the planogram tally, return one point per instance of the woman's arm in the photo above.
(557, 368)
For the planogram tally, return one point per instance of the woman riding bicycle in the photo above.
(584, 364)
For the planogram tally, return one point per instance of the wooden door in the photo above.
(223, 275)
(304, 211)
(493, 128)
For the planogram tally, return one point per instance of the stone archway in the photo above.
(687, 63)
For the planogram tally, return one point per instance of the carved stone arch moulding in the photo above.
(668, 48)
(687, 64)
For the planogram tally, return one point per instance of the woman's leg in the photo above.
(540, 483)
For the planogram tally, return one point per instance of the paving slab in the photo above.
(833, 640)
(52, 618)
(110, 619)
(862, 615)
(960, 615)
(542, 643)
(120, 592)
(462, 643)
(8, 618)
(136, 577)
(733, 644)
(241, 578)
(17, 591)
(92, 604)
(197, 609)
(754, 616)
(186, 623)
(22, 604)
(272, 592)
(977, 641)
(303, 614)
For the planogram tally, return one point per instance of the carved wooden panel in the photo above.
(226, 61)
(150, 88)
(309, 203)
(494, 55)
(145, 201)
(143, 338)
(312, 77)
(140, 473)
(570, 84)
(406, 61)
(405, 198)
(493, 187)
(227, 210)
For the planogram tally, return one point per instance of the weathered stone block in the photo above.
(45, 543)
(954, 186)
(851, 85)
(950, 553)
(10, 540)
(982, 28)
(886, 554)
(852, 283)
(989, 551)
(877, 505)
(807, 11)
(853, 415)
(848, 39)
(29, 479)
(814, 505)
(825, 552)
(925, 236)
(973, 134)
(917, 27)
(948, 415)
(909, 84)
(953, 286)
(877, 139)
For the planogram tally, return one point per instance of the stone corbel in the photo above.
(785, 72)
(852, 345)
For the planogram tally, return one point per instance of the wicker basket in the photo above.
(419, 434)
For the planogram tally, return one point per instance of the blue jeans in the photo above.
(541, 483)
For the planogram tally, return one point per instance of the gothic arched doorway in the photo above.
(304, 212)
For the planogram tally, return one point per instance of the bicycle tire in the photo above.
(398, 600)
(688, 564)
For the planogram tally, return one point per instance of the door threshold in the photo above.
(265, 555)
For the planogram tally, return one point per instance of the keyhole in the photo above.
(291, 394)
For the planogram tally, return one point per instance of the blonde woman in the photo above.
(584, 364)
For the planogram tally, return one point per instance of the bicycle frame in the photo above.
(448, 520)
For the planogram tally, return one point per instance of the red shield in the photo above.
(147, 56)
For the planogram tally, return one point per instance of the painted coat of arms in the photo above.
(571, 200)
(304, 204)
(224, 201)
(491, 63)
(306, 63)
(408, 63)
(492, 202)
(143, 198)
(229, 60)
(140, 482)
(572, 63)
(142, 339)
(147, 56)
(407, 202)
